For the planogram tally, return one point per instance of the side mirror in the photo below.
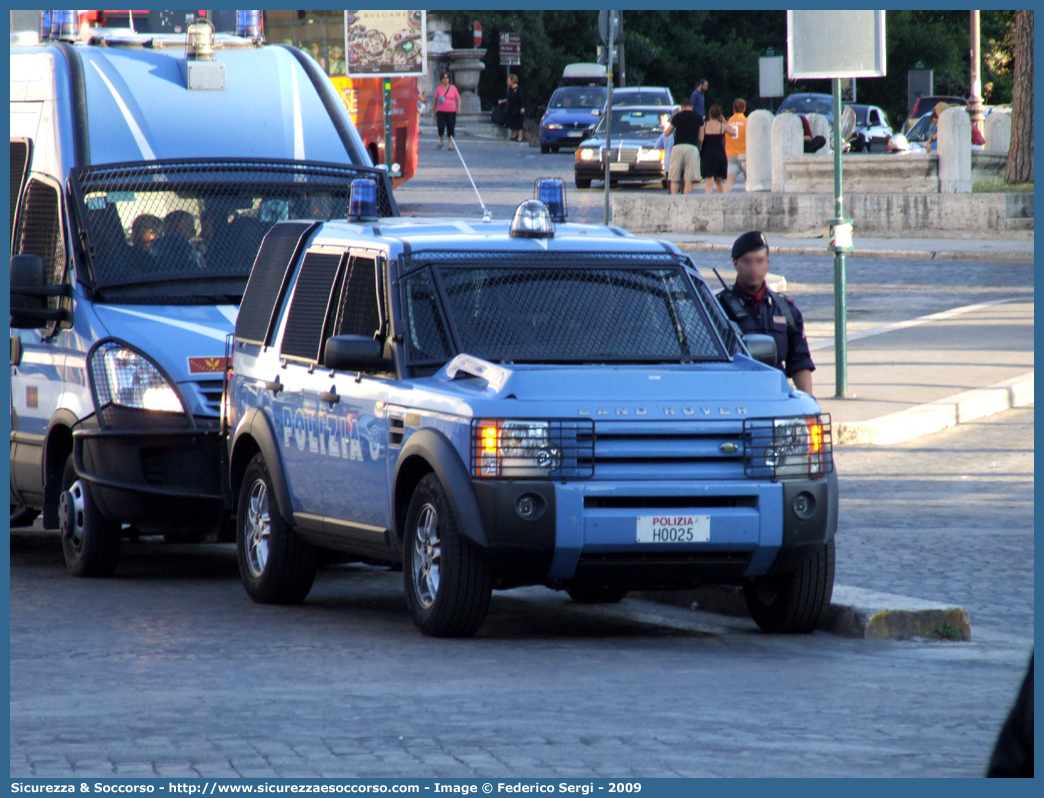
(761, 347)
(354, 353)
(28, 301)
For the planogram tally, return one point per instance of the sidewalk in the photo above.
(1009, 250)
(927, 374)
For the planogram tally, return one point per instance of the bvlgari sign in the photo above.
(385, 43)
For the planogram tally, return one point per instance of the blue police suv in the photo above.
(491, 404)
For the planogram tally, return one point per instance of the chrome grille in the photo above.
(669, 450)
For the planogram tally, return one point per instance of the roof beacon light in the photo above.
(45, 25)
(248, 24)
(68, 25)
(363, 205)
(200, 45)
(532, 220)
(551, 192)
(56, 24)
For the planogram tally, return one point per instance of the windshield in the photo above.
(923, 130)
(545, 314)
(640, 97)
(593, 97)
(803, 104)
(633, 123)
(166, 233)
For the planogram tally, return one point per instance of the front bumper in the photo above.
(156, 478)
(559, 138)
(586, 531)
(639, 170)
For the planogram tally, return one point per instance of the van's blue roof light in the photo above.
(68, 26)
(551, 192)
(56, 24)
(532, 219)
(248, 24)
(363, 205)
(45, 25)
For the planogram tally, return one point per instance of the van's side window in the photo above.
(19, 162)
(359, 312)
(40, 233)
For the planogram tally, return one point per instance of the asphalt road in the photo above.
(169, 670)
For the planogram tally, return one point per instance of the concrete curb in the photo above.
(898, 254)
(935, 416)
(853, 612)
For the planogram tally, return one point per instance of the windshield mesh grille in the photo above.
(170, 221)
(577, 315)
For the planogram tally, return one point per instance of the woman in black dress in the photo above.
(516, 108)
(714, 163)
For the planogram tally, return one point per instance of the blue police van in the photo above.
(489, 405)
(145, 171)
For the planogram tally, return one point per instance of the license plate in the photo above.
(619, 167)
(673, 529)
(575, 134)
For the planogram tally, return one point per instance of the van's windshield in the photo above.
(551, 314)
(188, 234)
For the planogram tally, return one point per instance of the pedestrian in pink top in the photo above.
(446, 100)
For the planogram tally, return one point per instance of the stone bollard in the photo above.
(954, 152)
(787, 142)
(821, 127)
(759, 151)
(997, 130)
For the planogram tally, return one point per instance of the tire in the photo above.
(582, 182)
(448, 579)
(545, 149)
(792, 603)
(597, 594)
(276, 566)
(22, 515)
(555, 150)
(90, 541)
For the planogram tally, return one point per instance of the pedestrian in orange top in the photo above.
(736, 144)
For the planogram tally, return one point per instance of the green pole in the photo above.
(840, 288)
(387, 125)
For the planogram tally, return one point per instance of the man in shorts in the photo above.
(687, 128)
(735, 146)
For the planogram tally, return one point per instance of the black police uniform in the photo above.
(785, 324)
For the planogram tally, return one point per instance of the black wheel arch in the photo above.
(255, 434)
(427, 451)
(58, 445)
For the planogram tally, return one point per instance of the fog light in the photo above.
(804, 505)
(529, 507)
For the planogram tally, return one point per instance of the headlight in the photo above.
(788, 447)
(553, 126)
(124, 378)
(585, 154)
(518, 449)
(650, 155)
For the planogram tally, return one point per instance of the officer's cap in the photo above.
(749, 242)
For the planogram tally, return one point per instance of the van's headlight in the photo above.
(125, 379)
(788, 447)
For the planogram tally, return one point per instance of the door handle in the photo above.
(275, 386)
(330, 397)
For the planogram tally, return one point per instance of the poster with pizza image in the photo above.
(385, 43)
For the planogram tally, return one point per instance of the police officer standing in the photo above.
(756, 308)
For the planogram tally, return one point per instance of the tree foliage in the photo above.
(674, 48)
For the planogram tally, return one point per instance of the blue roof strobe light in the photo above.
(532, 220)
(551, 192)
(248, 24)
(45, 25)
(68, 24)
(363, 205)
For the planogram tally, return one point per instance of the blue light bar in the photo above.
(551, 192)
(56, 24)
(248, 24)
(68, 24)
(45, 25)
(363, 204)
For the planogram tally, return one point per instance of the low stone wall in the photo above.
(864, 174)
(887, 215)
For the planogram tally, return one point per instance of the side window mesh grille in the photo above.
(359, 312)
(307, 315)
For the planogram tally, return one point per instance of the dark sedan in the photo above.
(636, 149)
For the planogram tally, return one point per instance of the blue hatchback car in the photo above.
(488, 405)
(570, 111)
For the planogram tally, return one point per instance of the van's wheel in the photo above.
(597, 594)
(277, 567)
(794, 602)
(582, 182)
(22, 515)
(448, 579)
(90, 541)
